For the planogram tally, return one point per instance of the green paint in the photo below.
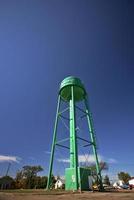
(73, 140)
(83, 174)
(71, 91)
(53, 146)
(66, 92)
(93, 140)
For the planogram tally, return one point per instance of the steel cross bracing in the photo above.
(73, 130)
(60, 114)
(67, 127)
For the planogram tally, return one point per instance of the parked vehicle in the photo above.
(121, 185)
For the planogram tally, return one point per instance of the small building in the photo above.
(60, 184)
(118, 184)
(84, 178)
(131, 182)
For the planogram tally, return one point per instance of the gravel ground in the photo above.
(128, 195)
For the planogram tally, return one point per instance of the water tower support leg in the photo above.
(53, 145)
(73, 140)
(93, 140)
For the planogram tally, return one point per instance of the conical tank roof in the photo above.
(65, 89)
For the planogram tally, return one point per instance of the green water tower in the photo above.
(72, 92)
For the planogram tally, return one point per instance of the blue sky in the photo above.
(41, 43)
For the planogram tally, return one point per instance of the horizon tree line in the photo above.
(28, 178)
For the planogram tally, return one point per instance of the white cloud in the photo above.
(64, 160)
(48, 152)
(90, 158)
(9, 159)
(83, 158)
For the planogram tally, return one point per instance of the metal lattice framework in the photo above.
(72, 91)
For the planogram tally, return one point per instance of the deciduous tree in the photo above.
(26, 178)
(106, 180)
(124, 176)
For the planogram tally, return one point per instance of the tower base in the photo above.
(83, 178)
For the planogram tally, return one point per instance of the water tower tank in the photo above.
(65, 89)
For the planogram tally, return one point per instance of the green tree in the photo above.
(7, 182)
(40, 182)
(92, 167)
(124, 176)
(20, 180)
(26, 178)
(106, 180)
(43, 181)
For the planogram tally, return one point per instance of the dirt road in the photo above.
(68, 196)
